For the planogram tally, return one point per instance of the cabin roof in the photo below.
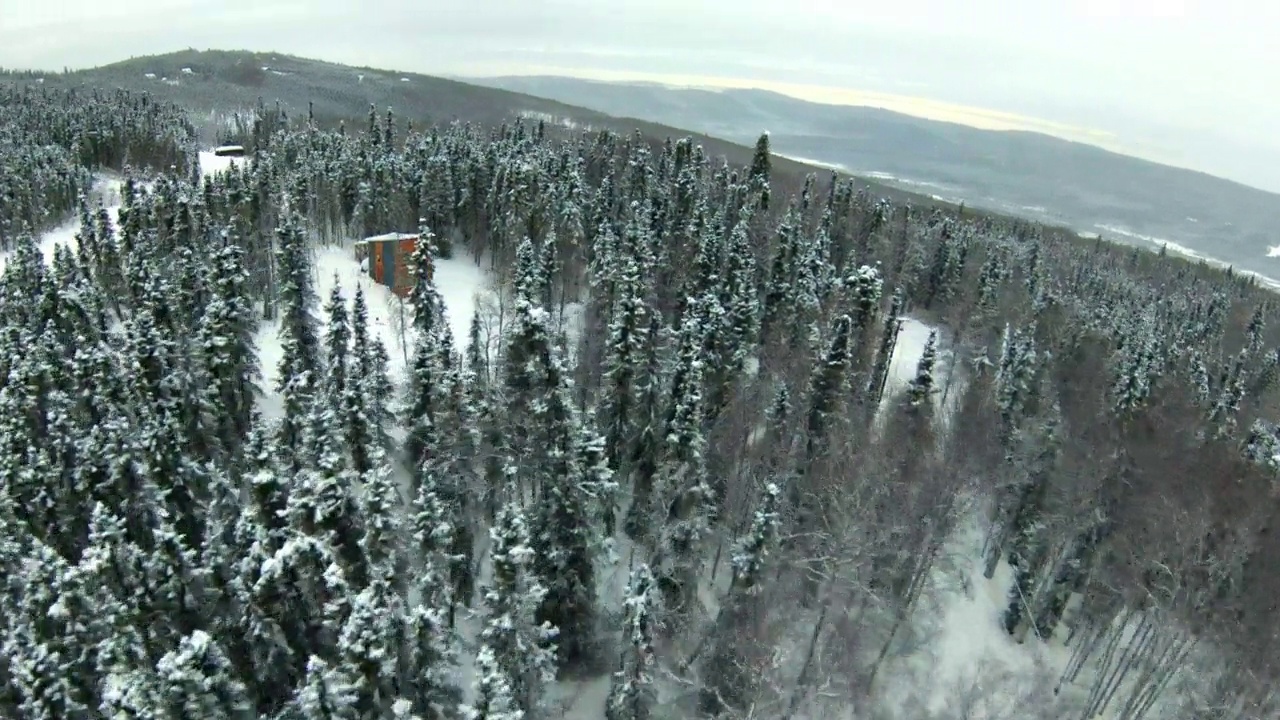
(388, 236)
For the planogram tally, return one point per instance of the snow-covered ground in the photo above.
(210, 163)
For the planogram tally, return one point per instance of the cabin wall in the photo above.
(391, 263)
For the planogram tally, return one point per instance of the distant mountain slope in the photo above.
(214, 84)
(1024, 173)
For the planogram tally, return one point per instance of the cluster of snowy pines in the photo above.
(170, 553)
(50, 142)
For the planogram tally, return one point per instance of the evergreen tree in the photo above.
(730, 679)
(299, 371)
(225, 337)
(631, 694)
(761, 165)
(327, 694)
(337, 346)
(682, 476)
(495, 695)
(196, 681)
(369, 647)
(365, 415)
(523, 650)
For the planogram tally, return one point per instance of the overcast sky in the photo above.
(1190, 82)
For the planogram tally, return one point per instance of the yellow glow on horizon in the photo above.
(977, 117)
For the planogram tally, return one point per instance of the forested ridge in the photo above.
(717, 418)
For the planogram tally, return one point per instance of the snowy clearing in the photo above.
(459, 282)
(105, 190)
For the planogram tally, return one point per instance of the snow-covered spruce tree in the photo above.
(921, 387)
(884, 353)
(729, 674)
(523, 650)
(544, 421)
(623, 364)
(1264, 378)
(1015, 380)
(111, 568)
(327, 693)
(428, 389)
(477, 355)
(639, 521)
(299, 602)
(827, 386)
(523, 381)
(44, 676)
(170, 450)
(300, 361)
(1015, 384)
(441, 573)
(686, 504)
(991, 277)
(366, 418)
(495, 694)
(1254, 330)
(337, 350)
(268, 488)
(1132, 385)
(947, 268)
(1225, 411)
(1027, 545)
(381, 540)
(761, 168)
(631, 694)
(741, 303)
(369, 646)
(196, 680)
(565, 559)
(431, 418)
(261, 649)
(428, 306)
(323, 502)
(863, 290)
(230, 360)
(442, 527)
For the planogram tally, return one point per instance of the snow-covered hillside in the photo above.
(955, 654)
(881, 533)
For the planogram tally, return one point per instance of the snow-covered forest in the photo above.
(653, 437)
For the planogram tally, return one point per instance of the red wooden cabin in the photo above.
(389, 260)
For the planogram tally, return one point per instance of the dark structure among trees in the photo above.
(388, 259)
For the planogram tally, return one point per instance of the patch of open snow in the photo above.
(211, 163)
(390, 318)
(105, 190)
(906, 354)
